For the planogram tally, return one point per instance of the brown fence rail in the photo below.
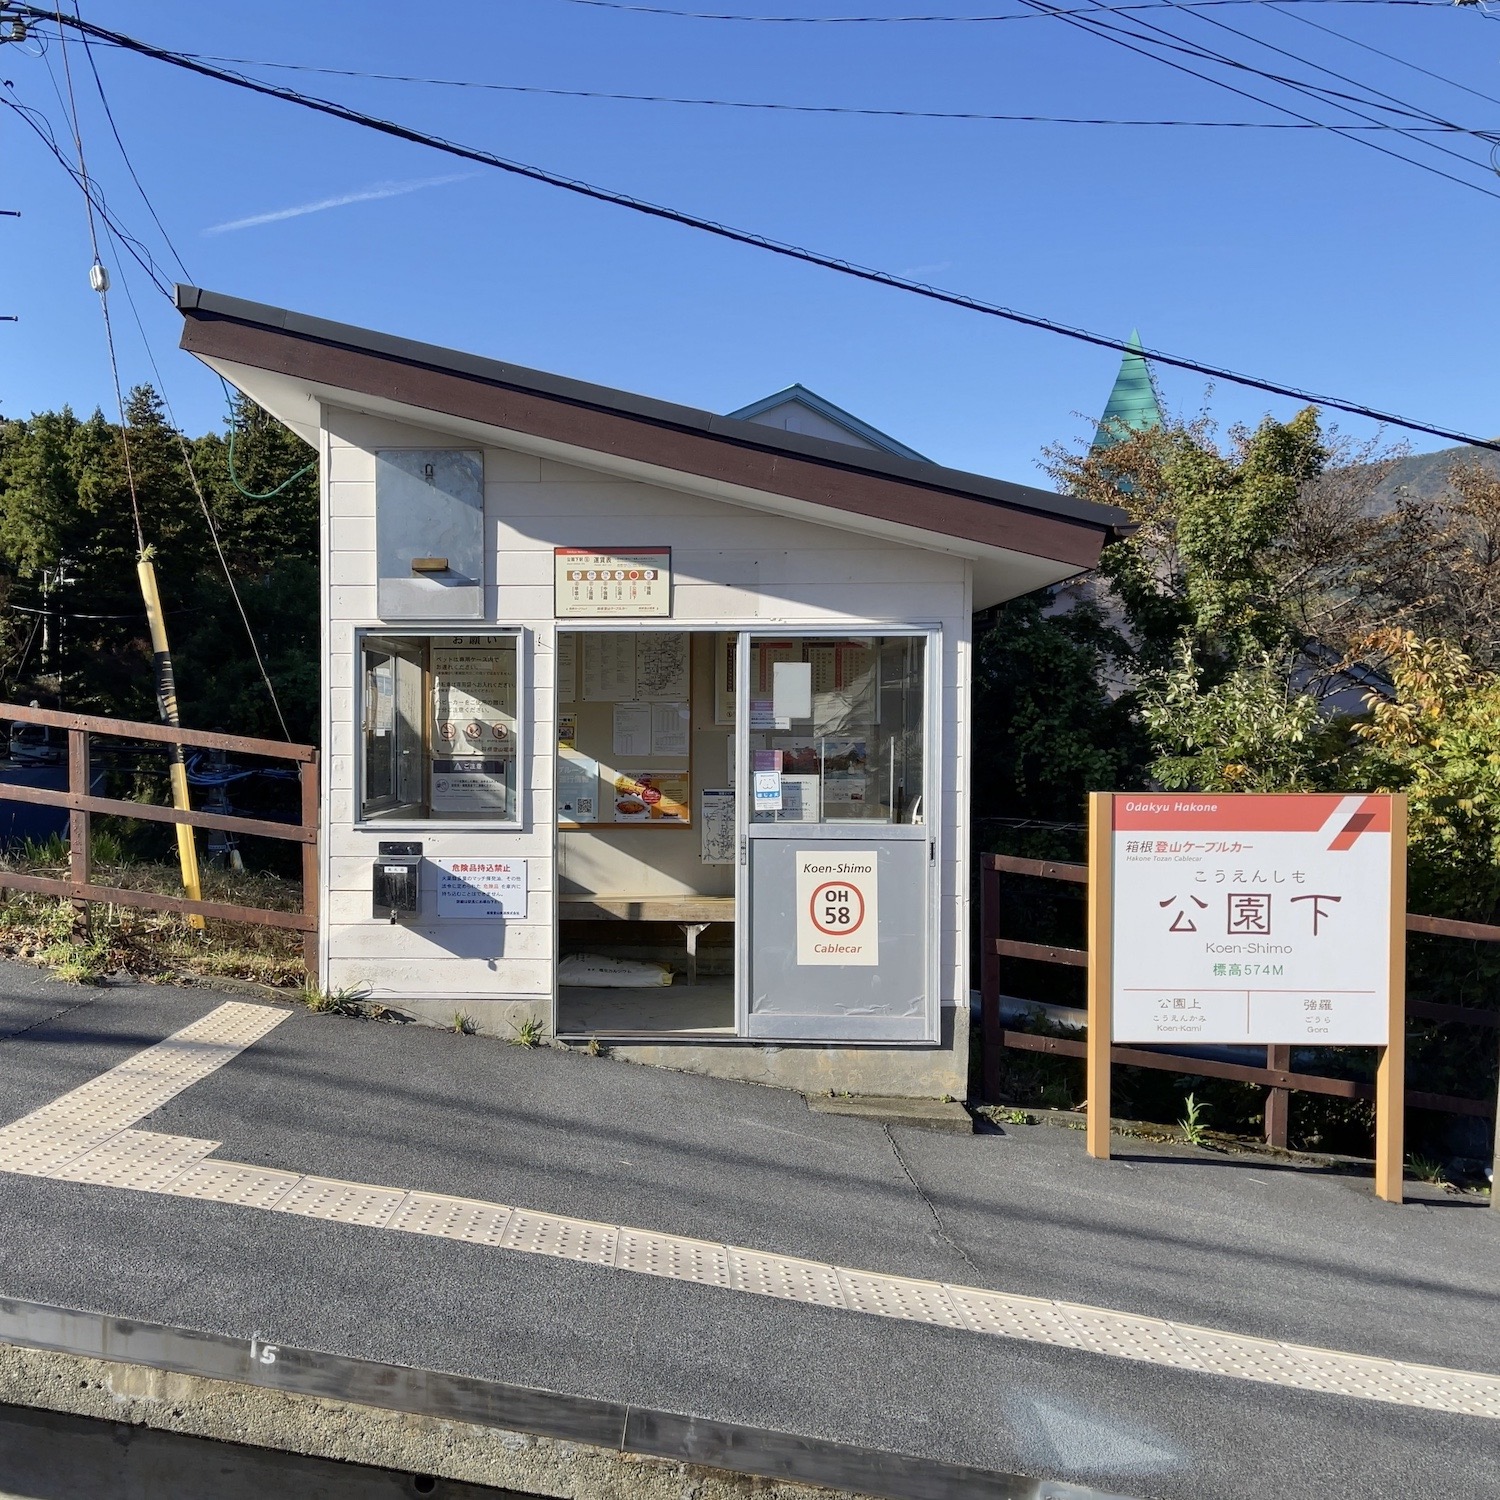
(79, 886)
(1280, 1083)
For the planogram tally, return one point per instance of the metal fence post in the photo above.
(1278, 1101)
(78, 830)
(307, 774)
(989, 978)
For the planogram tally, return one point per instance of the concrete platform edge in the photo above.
(453, 1427)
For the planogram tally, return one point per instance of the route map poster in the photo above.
(1251, 918)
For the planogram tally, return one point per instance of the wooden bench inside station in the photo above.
(691, 913)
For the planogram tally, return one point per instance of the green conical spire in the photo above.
(1132, 406)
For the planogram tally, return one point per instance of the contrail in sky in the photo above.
(363, 195)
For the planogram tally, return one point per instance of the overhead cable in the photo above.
(698, 15)
(815, 109)
(1405, 62)
(773, 246)
(1147, 46)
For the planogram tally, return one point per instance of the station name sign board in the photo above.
(1252, 918)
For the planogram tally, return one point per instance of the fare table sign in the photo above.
(1276, 919)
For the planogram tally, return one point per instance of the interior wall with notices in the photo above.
(637, 742)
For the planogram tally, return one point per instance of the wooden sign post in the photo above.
(1250, 918)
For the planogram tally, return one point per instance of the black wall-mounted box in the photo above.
(398, 880)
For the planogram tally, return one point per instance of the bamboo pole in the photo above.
(166, 700)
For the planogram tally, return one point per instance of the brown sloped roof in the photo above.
(946, 502)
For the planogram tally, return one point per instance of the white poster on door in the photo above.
(838, 908)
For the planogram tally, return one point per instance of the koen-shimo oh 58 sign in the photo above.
(1252, 918)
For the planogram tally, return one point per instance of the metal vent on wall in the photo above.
(429, 533)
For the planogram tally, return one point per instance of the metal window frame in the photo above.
(472, 824)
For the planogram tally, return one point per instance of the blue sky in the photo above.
(1296, 255)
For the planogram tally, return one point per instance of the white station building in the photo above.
(638, 722)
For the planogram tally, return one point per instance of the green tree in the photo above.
(66, 497)
(1048, 728)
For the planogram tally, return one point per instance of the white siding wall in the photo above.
(732, 567)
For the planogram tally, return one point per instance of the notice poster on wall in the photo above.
(1252, 918)
(608, 666)
(577, 787)
(598, 582)
(474, 697)
(717, 805)
(471, 783)
(663, 663)
(725, 649)
(838, 907)
(653, 797)
(845, 777)
(567, 666)
(469, 887)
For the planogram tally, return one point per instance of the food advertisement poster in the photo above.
(1252, 918)
(651, 797)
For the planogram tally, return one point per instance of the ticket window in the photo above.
(439, 728)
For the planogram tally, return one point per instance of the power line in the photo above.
(99, 280)
(1133, 41)
(109, 115)
(696, 15)
(187, 460)
(816, 109)
(37, 123)
(773, 246)
(1332, 73)
(1380, 52)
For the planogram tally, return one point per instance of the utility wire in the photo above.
(213, 530)
(187, 458)
(99, 278)
(817, 109)
(1332, 73)
(1405, 62)
(37, 123)
(695, 15)
(109, 115)
(772, 246)
(1133, 41)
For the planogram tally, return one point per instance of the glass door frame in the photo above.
(930, 829)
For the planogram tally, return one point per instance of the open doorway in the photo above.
(646, 844)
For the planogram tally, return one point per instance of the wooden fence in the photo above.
(79, 886)
(1276, 1076)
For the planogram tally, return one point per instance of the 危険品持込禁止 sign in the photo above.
(1252, 918)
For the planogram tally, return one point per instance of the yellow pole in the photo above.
(166, 699)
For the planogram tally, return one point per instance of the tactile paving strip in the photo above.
(138, 1159)
(88, 1116)
(84, 1137)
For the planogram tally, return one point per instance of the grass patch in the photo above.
(157, 947)
(344, 1002)
(528, 1033)
(463, 1024)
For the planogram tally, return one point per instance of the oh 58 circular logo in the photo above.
(837, 908)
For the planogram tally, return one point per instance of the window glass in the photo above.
(439, 727)
(842, 722)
